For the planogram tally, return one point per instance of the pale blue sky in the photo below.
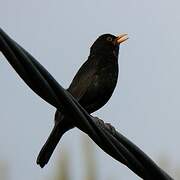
(145, 104)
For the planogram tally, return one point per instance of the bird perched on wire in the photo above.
(92, 86)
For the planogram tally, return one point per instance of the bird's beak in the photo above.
(121, 38)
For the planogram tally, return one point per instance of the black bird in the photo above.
(92, 86)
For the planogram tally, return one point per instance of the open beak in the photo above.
(121, 38)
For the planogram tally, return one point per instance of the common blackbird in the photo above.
(92, 86)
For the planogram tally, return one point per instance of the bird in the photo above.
(92, 87)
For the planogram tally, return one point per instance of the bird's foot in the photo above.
(108, 126)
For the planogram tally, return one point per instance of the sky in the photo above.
(146, 101)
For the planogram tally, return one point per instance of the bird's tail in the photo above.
(59, 129)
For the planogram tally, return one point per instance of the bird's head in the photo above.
(107, 43)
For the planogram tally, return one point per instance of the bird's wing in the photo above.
(83, 79)
(78, 88)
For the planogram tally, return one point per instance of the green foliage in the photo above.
(63, 170)
(4, 171)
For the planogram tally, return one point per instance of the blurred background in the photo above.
(144, 106)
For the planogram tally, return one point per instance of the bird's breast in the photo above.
(101, 89)
(106, 78)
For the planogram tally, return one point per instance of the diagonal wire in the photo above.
(43, 84)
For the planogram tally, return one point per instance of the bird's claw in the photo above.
(108, 126)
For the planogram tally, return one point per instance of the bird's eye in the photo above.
(109, 39)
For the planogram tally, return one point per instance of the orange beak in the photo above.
(121, 38)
